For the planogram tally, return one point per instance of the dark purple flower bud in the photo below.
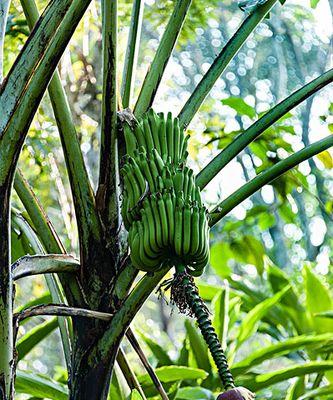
(238, 393)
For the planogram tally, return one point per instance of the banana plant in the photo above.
(101, 292)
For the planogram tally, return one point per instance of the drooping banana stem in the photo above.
(196, 307)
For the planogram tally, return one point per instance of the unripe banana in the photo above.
(147, 134)
(187, 229)
(157, 220)
(130, 140)
(154, 123)
(163, 139)
(164, 219)
(177, 140)
(170, 136)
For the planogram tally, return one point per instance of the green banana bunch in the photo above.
(162, 208)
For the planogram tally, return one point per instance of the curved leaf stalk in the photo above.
(132, 50)
(267, 120)
(221, 62)
(43, 264)
(162, 56)
(185, 294)
(266, 177)
(83, 197)
(60, 310)
(26, 63)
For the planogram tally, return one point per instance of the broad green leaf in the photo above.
(116, 391)
(318, 300)
(198, 347)
(278, 280)
(175, 373)
(135, 395)
(220, 306)
(39, 386)
(195, 393)
(265, 380)
(220, 254)
(239, 105)
(278, 350)
(207, 292)
(252, 319)
(316, 393)
(158, 351)
(35, 336)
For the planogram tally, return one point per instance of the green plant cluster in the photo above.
(162, 207)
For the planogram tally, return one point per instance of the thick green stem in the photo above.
(163, 53)
(199, 310)
(221, 62)
(268, 176)
(132, 50)
(108, 168)
(267, 120)
(87, 218)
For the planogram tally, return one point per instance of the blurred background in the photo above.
(282, 232)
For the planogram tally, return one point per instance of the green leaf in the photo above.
(316, 393)
(279, 349)
(116, 391)
(265, 380)
(175, 373)
(198, 347)
(252, 319)
(195, 393)
(239, 105)
(135, 395)
(318, 300)
(207, 292)
(220, 306)
(35, 336)
(158, 351)
(39, 386)
(220, 254)
(314, 3)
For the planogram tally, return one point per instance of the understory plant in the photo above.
(146, 213)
